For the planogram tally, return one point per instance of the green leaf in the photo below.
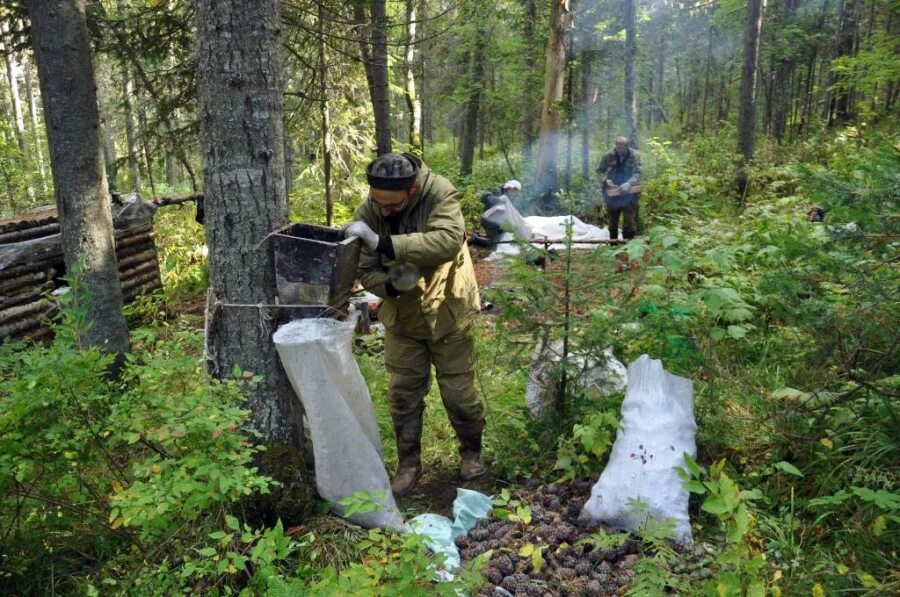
(737, 331)
(789, 468)
(695, 487)
(526, 550)
(879, 525)
(537, 559)
(692, 465)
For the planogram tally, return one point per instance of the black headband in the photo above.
(385, 183)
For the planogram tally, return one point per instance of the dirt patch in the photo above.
(436, 490)
(556, 528)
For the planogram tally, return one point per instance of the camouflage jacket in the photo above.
(432, 236)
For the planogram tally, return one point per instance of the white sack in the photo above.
(657, 429)
(317, 355)
(505, 216)
(554, 228)
(599, 378)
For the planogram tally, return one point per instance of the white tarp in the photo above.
(317, 355)
(553, 228)
(657, 429)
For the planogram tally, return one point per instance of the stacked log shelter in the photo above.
(32, 267)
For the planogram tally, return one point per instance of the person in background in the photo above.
(415, 258)
(513, 190)
(620, 169)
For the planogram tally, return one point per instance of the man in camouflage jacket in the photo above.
(621, 169)
(415, 258)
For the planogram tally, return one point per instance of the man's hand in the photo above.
(404, 276)
(360, 229)
(610, 184)
(625, 187)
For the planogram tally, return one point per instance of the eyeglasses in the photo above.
(393, 209)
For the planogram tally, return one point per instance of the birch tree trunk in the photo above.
(528, 112)
(381, 98)
(412, 100)
(12, 78)
(127, 98)
(35, 126)
(631, 71)
(241, 134)
(747, 122)
(68, 93)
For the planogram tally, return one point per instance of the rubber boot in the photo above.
(470, 463)
(471, 466)
(408, 473)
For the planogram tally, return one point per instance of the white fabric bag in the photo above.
(317, 355)
(657, 429)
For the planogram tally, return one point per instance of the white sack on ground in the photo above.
(657, 429)
(600, 377)
(317, 355)
(554, 228)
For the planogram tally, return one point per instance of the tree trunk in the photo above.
(241, 109)
(841, 101)
(373, 54)
(709, 57)
(660, 89)
(326, 118)
(131, 142)
(68, 93)
(588, 99)
(469, 136)
(784, 75)
(547, 172)
(747, 122)
(143, 134)
(381, 98)
(12, 78)
(528, 115)
(412, 100)
(630, 71)
(109, 151)
(35, 126)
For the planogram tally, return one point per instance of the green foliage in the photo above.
(582, 454)
(509, 508)
(92, 465)
(741, 562)
(392, 565)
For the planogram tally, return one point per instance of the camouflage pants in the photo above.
(628, 214)
(409, 361)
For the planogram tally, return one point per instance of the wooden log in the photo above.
(21, 326)
(15, 236)
(40, 333)
(122, 233)
(36, 217)
(143, 237)
(135, 250)
(138, 270)
(22, 311)
(164, 201)
(127, 261)
(136, 281)
(21, 281)
(137, 291)
(48, 266)
(26, 295)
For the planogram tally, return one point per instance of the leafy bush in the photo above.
(96, 470)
